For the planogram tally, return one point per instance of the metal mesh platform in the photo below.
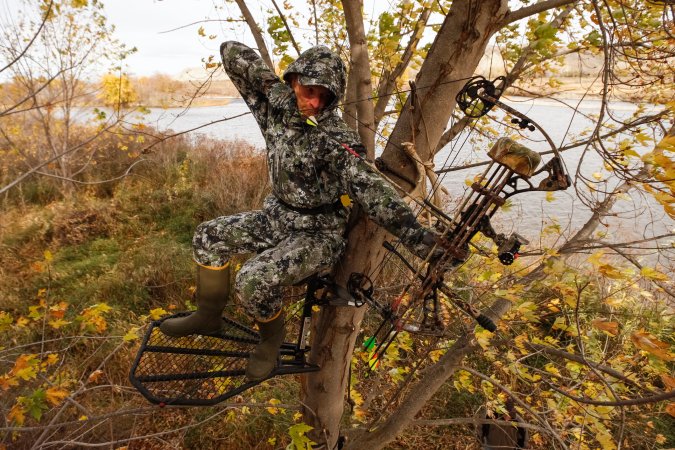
(202, 370)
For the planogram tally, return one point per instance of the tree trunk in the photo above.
(455, 54)
(452, 59)
(359, 74)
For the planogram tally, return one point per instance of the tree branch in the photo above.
(539, 348)
(23, 52)
(388, 81)
(635, 401)
(256, 32)
(288, 29)
(531, 10)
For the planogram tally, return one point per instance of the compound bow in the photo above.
(512, 170)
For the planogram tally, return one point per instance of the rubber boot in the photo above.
(213, 289)
(264, 357)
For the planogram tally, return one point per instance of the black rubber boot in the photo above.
(213, 289)
(264, 357)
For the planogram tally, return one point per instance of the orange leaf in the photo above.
(56, 395)
(670, 409)
(17, 414)
(668, 381)
(95, 376)
(647, 342)
(7, 382)
(608, 327)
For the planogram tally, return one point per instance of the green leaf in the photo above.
(298, 439)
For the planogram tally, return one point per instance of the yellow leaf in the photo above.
(95, 376)
(520, 341)
(102, 307)
(22, 322)
(483, 337)
(550, 196)
(58, 323)
(157, 313)
(667, 143)
(201, 32)
(345, 200)
(48, 256)
(642, 138)
(653, 274)
(25, 367)
(611, 328)
(598, 176)
(58, 311)
(131, 335)
(272, 441)
(297, 416)
(82, 418)
(550, 368)
(5, 320)
(595, 258)
(606, 441)
(55, 395)
(271, 409)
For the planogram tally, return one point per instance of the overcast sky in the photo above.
(143, 24)
(147, 25)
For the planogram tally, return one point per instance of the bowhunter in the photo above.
(300, 229)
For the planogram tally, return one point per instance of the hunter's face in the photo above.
(311, 99)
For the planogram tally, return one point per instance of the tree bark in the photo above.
(334, 331)
(452, 59)
(359, 74)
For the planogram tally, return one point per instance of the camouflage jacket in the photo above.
(308, 167)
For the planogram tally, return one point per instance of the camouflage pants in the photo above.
(283, 258)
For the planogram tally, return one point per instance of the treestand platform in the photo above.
(201, 370)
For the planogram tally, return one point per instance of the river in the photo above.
(634, 216)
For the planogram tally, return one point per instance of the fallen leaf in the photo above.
(95, 376)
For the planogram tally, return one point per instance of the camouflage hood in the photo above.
(320, 66)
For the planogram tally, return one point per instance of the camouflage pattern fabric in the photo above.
(515, 156)
(307, 169)
(283, 258)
